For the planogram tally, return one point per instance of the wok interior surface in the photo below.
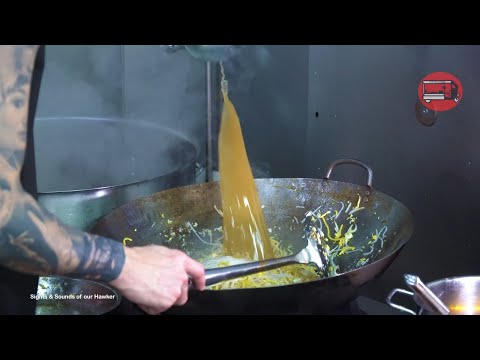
(160, 218)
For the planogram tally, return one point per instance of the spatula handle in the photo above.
(214, 276)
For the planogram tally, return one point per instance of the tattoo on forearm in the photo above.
(31, 239)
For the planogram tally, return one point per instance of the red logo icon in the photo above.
(440, 91)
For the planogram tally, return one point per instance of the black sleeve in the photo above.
(28, 175)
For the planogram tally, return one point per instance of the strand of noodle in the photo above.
(198, 236)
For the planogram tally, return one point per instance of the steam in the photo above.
(81, 80)
(167, 89)
(244, 65)
(242, 69)
(86, 81)
(150, 84)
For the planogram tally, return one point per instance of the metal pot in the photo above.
(86, 167)
(149, 219)
(460, 294)
(67, 296)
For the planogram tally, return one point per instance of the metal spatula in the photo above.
(313, 253)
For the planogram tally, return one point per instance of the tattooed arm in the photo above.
(33, 241)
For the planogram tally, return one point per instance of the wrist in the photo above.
(125, 274)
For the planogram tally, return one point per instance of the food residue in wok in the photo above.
(337, 225)
(287, 275)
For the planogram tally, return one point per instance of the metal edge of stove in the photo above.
(372, 307)
(360, 306)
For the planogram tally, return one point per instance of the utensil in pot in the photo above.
(215, 53)
(57, 295)
(426, 295)
(313, 253)
(461, 295)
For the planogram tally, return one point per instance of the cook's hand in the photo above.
(157, 278)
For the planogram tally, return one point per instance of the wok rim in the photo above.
(451, 278)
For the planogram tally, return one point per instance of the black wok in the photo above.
(161, 217)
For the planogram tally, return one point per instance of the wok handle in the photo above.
(214, 276)
(396, 306)
(354, 162)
